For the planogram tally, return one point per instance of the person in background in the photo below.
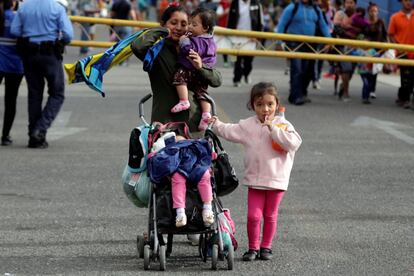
(244, 15)
(222, 12)
(43, 28)
(332, 73)
(90, 8)
(366, 72)
(359, 23)
(327, 15)
(267, 167)
(122, 9)
(343, 29)
(301, 18)
(209, 5)
(376, 31)
(11, 68)
(400, 30)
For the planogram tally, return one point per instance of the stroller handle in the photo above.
(141, 107)
(213, 104)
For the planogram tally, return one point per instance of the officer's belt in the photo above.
(44, 47)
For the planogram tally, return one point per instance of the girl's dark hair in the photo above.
(259, 90)
(169, 11)
(208, 18)
(4, 6)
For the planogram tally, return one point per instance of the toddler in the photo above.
(199, 39)
(267, 168)
(359, 23)
(184, 159)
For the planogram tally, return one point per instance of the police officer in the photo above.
(43, 28)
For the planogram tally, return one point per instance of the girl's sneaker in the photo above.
(250, 255)
(180, 220)
(208, 217)
(266, 254)
(181, 106)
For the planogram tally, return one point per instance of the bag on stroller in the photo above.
(135, 180)
(224, 174)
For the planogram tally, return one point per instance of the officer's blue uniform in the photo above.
(42, 22)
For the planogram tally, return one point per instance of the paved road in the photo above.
(348, 211)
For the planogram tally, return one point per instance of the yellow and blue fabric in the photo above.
(92, 68)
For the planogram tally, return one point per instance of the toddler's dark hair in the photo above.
(208, 18)
(259, 90)
(169, 11)
(360, 10)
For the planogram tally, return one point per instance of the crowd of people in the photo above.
(338, 19)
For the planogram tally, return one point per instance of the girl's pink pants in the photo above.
(262, 204)
(178, 189)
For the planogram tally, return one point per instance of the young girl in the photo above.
(270, 143)
(200, 40)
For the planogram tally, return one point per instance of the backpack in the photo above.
(138, 149)
(135, 179)
(317, 11)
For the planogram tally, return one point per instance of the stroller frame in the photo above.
(152, 247)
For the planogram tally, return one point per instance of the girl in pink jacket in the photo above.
(270, 143)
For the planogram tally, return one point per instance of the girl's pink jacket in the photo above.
(265, 168)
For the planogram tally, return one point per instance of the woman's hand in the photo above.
(195, 59)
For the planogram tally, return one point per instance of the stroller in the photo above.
(216, 242)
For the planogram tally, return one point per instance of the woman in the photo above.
(376, 32)
(11, 69)
(343, 29)
(174, 22)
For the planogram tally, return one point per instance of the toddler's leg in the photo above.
(206, 194)
(184, 103)
(178, 190)
(205, 115)
(271, 209)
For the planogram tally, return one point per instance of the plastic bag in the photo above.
(137, 187)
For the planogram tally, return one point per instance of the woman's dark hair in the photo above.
(259, 90)
(208, 18)
(169, 11)
(371, 5)
(4, 6)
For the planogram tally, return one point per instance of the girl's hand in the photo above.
(195, 59)
(213, 119)
(267, 122)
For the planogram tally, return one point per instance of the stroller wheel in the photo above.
(162, 258)
(214, 257)
(230, 257)
(140, 246)
(147, 255)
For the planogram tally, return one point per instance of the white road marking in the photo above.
(387, 126)
(59, 130)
